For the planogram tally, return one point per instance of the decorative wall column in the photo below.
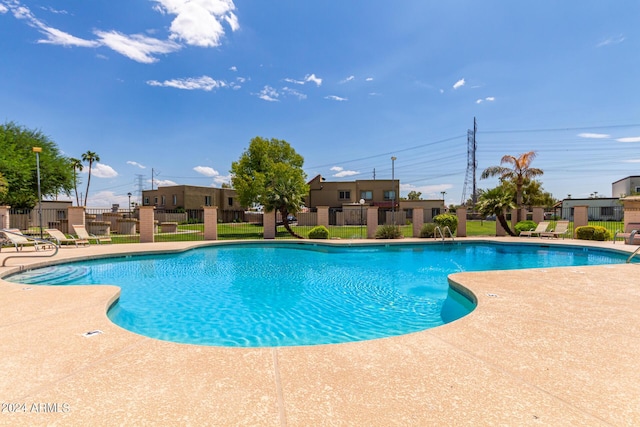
(210, 222)
(147, 218)
(323, 215)
(461, 213)
(269, 223)
(538, 214)
(76, 215)
(418, 221)
(580, 217)
(631, 210)
(4, 216)
(372, 222)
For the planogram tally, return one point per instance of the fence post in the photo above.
(580, 217)
(4, 216)
(418, 221)
(147, 217)
(210, 222)
(372, 222)
(461, 213)
(269, 223)
(76, 216)
(323, 215)
(631, 210)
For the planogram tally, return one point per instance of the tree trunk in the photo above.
(285, 221)
(505, 224)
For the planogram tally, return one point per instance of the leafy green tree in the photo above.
(4, 186)
(89, 157)
(414, 195)
(495, 202)
(18, 166)
(76, 164)
(519, 171)
(269, 173)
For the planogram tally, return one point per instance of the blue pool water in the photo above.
(256, 295)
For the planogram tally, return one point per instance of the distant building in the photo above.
(336, 194)
(626, 186)
(193, 198)
(598, 209)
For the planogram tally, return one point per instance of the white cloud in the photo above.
(488, 99)
(313, 79)
(205, 83)
(629, 139)
(234, 68)
(428, 191)
(594, 135)
(199, 22)
(369, 79)
(269, 94)
(106, 199)
(100, 170)
(341, 173)
(293, 92)
(441, 90)
(222, 179)
(163, 182)
(132, 163)
(335, 98)
(611, 40)
(459, 83)
(137, 47)
(631, 161)
(309, 78)
(3, 9)
(206, 171)
(348, 79)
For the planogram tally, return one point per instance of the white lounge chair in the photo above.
(60, 238)
(541, 228)
(15, 237)
(83, 234)
(562, 228)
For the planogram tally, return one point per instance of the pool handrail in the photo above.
(35, 239)
(443, 232)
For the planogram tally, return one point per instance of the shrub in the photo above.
(427, 230)
(593, 232)
(447, 220)
(524, 226)
(388, 232)
(319, 232)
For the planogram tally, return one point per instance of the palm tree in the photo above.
(90, 157)
(76, 164)
(495, 202)
(518, 173)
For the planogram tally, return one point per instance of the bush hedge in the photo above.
(389, 232)
(427, 230)
(447, 220)
(524, 226)
(319, 232)
(593, 232)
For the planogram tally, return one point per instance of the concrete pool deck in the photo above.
(554, 346)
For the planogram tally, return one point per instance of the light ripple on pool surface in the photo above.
(296, 295)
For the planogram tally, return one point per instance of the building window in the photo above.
(367, 195)
(207, 200)
(435, 212)
(164, 201)
(155, 201)
(175, 200)
(606, 210)
(230, 201)
(146, 201)
(389, 195)
(637, 190)
(344, 195)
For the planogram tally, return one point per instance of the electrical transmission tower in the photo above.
(472, 164)
(139, 185)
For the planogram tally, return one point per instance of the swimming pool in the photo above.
(257, 295)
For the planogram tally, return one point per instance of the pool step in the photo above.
(55, 275)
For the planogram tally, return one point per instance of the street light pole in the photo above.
(443, 203)
(129, 194)
(361, 206)
(393, 183)
(38, 150)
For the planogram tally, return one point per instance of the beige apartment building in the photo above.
(192, 198)
(336, 194)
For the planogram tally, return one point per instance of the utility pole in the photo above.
(472, 165)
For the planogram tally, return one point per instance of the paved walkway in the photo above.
(544, 347)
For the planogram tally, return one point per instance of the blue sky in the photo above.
(181, 86)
